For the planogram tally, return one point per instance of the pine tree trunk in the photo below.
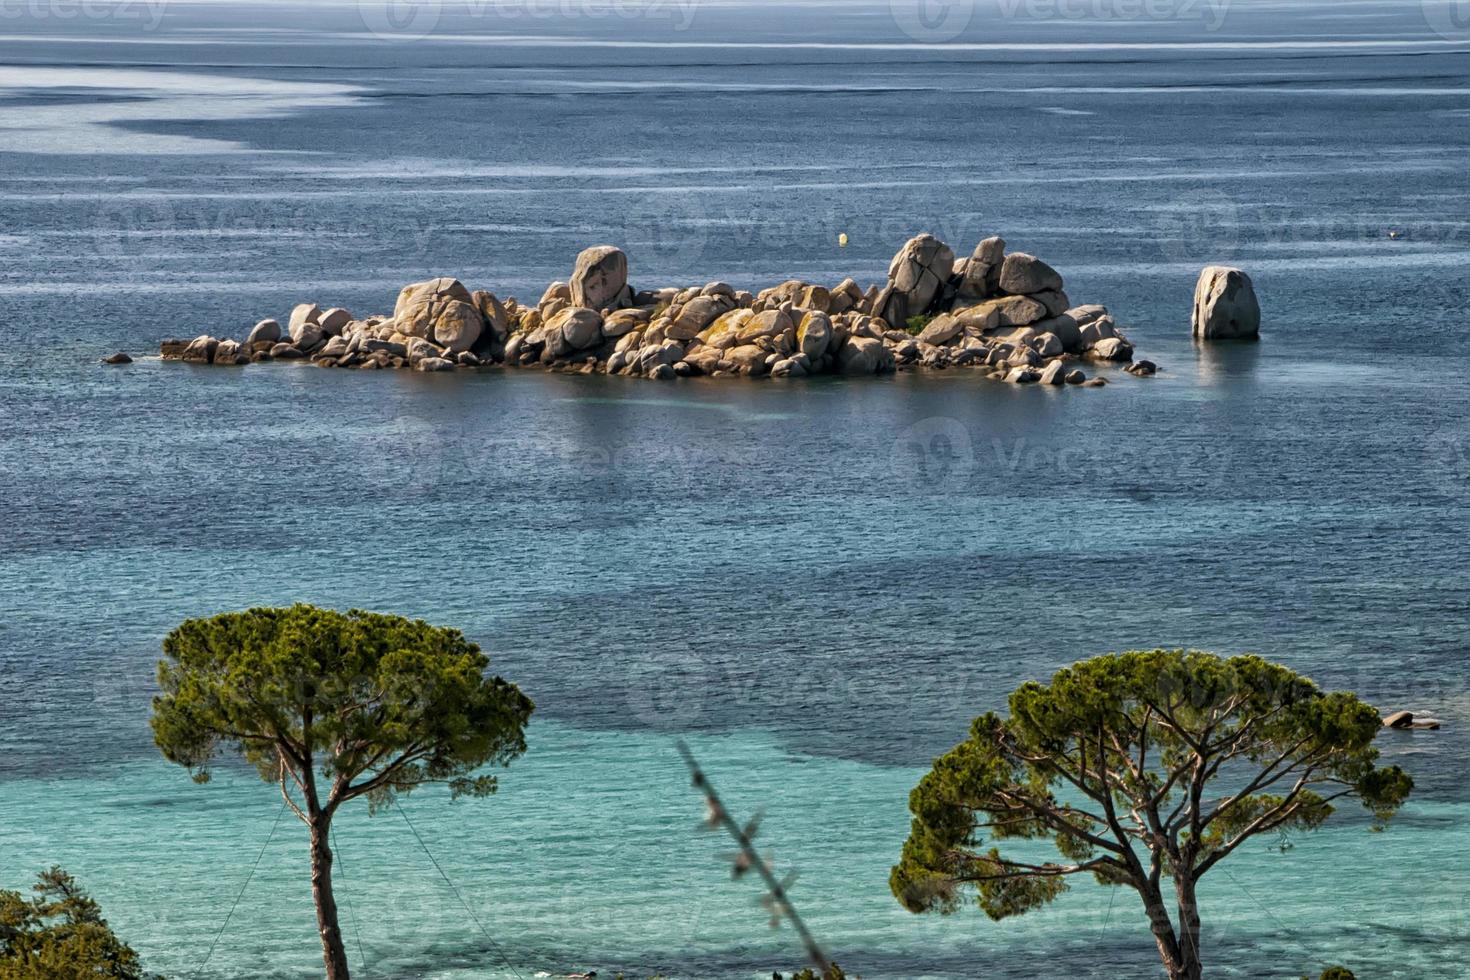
(334, 953)
(1189, 931)
(1178, 964)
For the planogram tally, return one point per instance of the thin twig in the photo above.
(777, 891)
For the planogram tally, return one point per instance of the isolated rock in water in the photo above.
(982, 271)
(265, 330)
(599, 278)
(917, 273)
(1142, 369)
(580, 327)
(1399, 719)
(1022, 274)
(118, 358)
(421, 303)
(1225, 305)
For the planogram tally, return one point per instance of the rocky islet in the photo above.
(1005, 315)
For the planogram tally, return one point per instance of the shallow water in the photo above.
(820, 582)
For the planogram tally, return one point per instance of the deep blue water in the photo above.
(821, 582)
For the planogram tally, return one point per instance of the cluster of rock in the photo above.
(1006, 314)
(1406, 719)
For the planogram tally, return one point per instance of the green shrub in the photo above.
(916, 324)
(60, 934)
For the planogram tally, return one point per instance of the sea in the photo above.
(815, 583)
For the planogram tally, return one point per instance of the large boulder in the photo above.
(767, 324)
(694, 316)
(864, 355)
(579, 326)
(1225, 305)
(421, 304)
(1004, 312)
(229, 354)
(915, 277)
(748, 359)
(814, 334)
(334, 321)
(265, 330)
(982, 271)
(621, 322)
(1022, 274)
(599, 278)
(1066, 331)
(305, 331)
(1111, 349)
(493, 312)
(200, 350)
(942, 329)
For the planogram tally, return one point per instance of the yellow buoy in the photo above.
(842, 239)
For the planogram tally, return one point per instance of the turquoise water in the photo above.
(613, 872)
(817, 584)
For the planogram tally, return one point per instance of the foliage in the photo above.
(916, 324)
(331, 707)
(304, 692)
(1135, 766)
(834, 972)
(1337, 973)
(60, 934)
